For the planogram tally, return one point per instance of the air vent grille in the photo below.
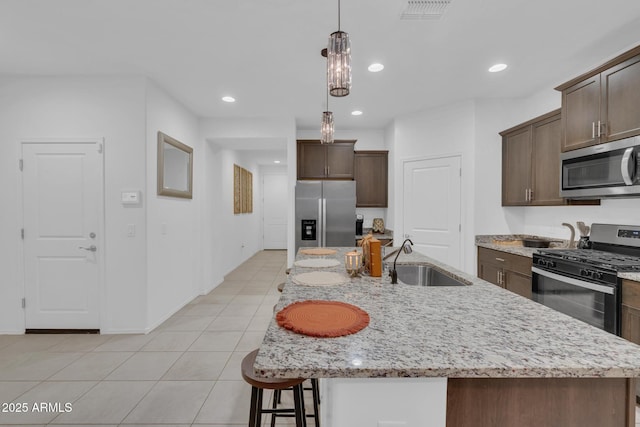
(424, 9)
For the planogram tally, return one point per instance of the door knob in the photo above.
(91, 248)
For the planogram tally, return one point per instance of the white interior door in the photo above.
(62, 211)
(274, 192)
(432, 217)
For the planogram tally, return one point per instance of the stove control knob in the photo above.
(543, 262)
(551, 264)
(597, 275)
(584, 272)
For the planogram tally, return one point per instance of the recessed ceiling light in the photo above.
(497, 67)
(228, 99)
(276, 161)
(356, 113)
(375, 67)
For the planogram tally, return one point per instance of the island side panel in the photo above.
(535, 402)
(349, 402)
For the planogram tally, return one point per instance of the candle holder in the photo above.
(353, 263)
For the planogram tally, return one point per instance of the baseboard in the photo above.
(122, 331)
(62, 331)
(12, 332)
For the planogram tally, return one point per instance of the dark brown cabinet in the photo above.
(325, 161)
(531, 162)
(509, 271)
(602, 105)
(371, 175)
(630, 317)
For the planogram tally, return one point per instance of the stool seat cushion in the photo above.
(265, 383)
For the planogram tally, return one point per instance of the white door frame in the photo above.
(462, 198)
(100, 255)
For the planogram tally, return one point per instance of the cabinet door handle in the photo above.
(526, 194)
(593, 129)
(328, 170)
(500, 259)
(599, 130)
(531, 195)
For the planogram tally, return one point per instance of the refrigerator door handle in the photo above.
(319, 225)
(324, 222)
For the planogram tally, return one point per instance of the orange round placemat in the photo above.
(323, 319)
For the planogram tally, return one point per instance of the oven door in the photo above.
(593, 303)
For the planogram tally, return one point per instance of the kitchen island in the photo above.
(477, 353)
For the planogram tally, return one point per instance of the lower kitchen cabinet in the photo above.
(630, 317)
(509, 271)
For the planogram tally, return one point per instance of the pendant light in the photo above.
(326, 129)
(339, 62)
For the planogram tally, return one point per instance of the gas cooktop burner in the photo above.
(603, 259)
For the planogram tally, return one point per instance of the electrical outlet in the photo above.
(392, 424)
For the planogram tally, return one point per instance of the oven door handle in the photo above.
(580, 283)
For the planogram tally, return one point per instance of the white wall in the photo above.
(448, 130)
(174, 273)
(227, 233)
(61, 107)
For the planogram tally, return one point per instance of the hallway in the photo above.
(186, 372)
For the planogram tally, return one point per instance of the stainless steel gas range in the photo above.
(584, 283)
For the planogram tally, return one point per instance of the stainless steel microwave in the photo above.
(611, 169)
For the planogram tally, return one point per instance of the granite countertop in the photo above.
(388, 234)
(488, 241)
(480, 330)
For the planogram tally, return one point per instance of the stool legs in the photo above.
(298, 404)
(255, 413)
(316, 399)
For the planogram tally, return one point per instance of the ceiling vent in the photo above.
(424, 9)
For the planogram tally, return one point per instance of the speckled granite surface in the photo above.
(478, 330)
(630, 276)
(388, 234)
(487, 241)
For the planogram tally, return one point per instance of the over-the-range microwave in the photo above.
(611, 169)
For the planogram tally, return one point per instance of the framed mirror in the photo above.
(175, 168)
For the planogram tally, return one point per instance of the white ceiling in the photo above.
(267, 53)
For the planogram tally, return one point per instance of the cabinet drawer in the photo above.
(518, 263)
(630, 319)
(519, 284)
(631, 293)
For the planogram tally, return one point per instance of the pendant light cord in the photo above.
(338, 15)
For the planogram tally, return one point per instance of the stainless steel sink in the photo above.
(424, 275)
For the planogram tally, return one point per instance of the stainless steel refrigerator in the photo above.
(325, 213)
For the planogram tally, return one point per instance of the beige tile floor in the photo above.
(186, 372)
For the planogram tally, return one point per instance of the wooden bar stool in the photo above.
(258, 385)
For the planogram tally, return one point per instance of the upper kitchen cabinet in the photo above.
(531, 162)
(370, 169)
(602, 105)
(326, 161)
